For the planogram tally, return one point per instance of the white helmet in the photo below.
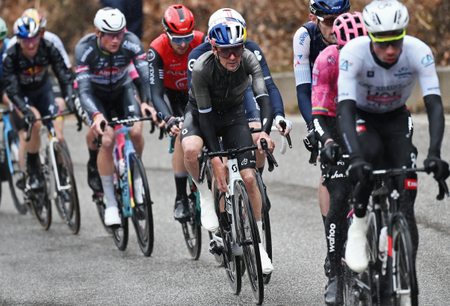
(109, 20)
(385, 16)
(225, 13)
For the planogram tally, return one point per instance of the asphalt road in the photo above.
(56, 268)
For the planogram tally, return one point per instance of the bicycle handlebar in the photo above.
(44, 119)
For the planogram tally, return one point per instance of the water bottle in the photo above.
(382, 243)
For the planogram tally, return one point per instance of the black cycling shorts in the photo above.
(231, 125)
(121, 104)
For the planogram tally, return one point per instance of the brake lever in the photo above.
(282, 123)
(99, 138)
(270, 158)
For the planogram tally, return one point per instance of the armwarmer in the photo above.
(304, 101)
(435, 112)
(322, 131)
(346, 125)
(266, 113)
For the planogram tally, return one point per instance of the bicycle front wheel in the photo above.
(266, 238)
(120, 233)
(142, 215)
(403, 273)
(192, 228)
(248, 231)
(67, 197)
(42, 207)
(16, 176)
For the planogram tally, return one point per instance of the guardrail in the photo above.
(285, 82)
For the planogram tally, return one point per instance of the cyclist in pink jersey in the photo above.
(324, 104)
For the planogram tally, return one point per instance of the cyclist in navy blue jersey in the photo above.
(251, 107)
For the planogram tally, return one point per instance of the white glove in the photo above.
(279, 118)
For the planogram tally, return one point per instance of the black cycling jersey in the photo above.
(214, 88)
(23, 74)
(104, 73)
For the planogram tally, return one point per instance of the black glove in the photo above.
(79, 113)
(28, 116)
(310, 139)
(436, 165)
(330, 153)
(175, 121)
(359, 170)
(70, 104)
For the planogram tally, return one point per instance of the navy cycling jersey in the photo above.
(274, 94)
(100, 72)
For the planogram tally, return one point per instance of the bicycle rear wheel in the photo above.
(142, 215)
(42, 207)
(120, 233)
(67, 198)
(266, 238)
(403, 273)
(192, 227)
(248, 231)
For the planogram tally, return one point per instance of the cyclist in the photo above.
(167, 60)
(309, 40)
(102, 59)
(215, 108)
(376, 76)
(3, 43)
(324, 103)
(251, 107)
(25, 69)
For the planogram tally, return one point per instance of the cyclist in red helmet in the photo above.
(167, 59)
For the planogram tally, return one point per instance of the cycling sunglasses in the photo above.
(226, 52)
(29, 41)
(384, 43)
(118, 35)
(178, 40)
(328, 20)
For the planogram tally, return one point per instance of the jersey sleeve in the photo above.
(426, 70)
(349, 67)
(53, 38)
(301, 47)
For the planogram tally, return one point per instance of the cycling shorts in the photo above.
(121, 104)
(231, 125)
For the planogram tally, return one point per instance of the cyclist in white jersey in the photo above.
(376, 77)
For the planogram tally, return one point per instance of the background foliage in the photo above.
(271, 24)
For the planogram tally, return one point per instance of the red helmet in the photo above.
(178, 19)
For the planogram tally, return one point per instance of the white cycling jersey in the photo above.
(301, 47)
(377, 89)
(51, 37)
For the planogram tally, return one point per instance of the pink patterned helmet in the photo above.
(348, 26)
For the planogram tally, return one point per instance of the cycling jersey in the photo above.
(53, 38)
(378, 90)
(23, 74)
(251, 108)
(307, 44)
(106, 73)
(213, 87)
(5, 43)
(168, 69)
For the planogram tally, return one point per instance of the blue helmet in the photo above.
(26, 27)
(229, 32)
(326, 7)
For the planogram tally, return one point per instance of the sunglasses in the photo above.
(384, 43)
(226, 52)
(29, 41)
(328, 20)
(118, 35)
(178, 40)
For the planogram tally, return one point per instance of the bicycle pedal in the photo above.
(214, 248)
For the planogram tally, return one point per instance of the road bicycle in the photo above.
(9, 162)
(56, 170)
(390, 276)
(239, 237)
(131, 189)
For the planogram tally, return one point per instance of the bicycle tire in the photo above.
(42, 208)
(266, 237)
(120, 233)
(192, 228)
(401, 266)
(17, 194)
(66, 200)
(142, 216)
(249, 240)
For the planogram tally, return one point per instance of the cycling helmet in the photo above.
(3, 29)
(26, 27)
(326, 7)
(385, 16)
(225, 13)
(348, 26)
(229, 33)
(109, 20)
(33, 13)
(178, 19)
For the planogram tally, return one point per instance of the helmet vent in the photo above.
(181, 14)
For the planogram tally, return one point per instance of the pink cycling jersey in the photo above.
(324, 84)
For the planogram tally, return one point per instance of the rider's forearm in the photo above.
(304, 101)
(266, 112)
(275, 99)
(435, 112)
(321, 128)
(347, 127)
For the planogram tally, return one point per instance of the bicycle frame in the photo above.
(6, 129)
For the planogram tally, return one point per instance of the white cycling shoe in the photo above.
(112, 216)
(266, 263)
(208, 212)
(356, 252)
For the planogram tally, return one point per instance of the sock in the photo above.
(260, 229)
(108, 190)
